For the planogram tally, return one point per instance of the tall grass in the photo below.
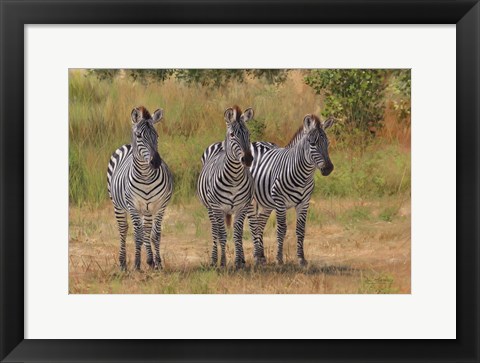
(99, 121)
(381, 170)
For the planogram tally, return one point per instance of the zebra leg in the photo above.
(147, 227)
(281, 231)
(253, 226)
(213, 222)
(237, 238)
(222, 235)
(121, 217)
(138, 235)
(257, 225)
(300, 231)
(157, 236)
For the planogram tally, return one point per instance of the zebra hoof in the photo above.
(260, 261)
(302, 262)
(279, 262)
(239, 265)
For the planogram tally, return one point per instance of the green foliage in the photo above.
(104, 74)
(257, 128)
(403, 81)
(400, 88)
(216, 78)
(271, 76)
(209, 78)
(146, 76)
(355, 97)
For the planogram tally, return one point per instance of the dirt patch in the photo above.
(370, 255)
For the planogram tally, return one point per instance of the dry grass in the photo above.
(395, 130)
(352, 247)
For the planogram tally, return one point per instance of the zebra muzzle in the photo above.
(327, 169)
(156, 161)
(247, 159)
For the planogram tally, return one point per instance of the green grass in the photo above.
(382, 170)
(388, 214)
(377, 284)
(355, 215)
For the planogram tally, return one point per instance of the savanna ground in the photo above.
(358, 228)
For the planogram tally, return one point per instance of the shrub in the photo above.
(353, 96)
(400, 90)
(257, 128)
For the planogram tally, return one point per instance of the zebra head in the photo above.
(317, 142)
(144, 136)
(237, 140)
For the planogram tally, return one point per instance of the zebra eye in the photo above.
(138, 134)
(232, 134)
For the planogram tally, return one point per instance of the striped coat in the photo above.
(140, 184)
(225, 185)
(284, 179)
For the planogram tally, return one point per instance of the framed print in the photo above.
(160, 195)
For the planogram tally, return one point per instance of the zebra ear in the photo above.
(136, 115)
(247, 115)
(157, 115)
(308, 122)
(328, 123)
(229, 115)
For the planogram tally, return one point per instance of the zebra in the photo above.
(140, 183)
(284, 178)
(225, 185)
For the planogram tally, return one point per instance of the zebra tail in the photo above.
(228, 220)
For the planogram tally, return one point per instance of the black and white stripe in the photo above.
(284, 178)
(140, 183)
(225, 185)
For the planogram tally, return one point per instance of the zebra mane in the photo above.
(300, 132)
(145, 114)
(238, 112)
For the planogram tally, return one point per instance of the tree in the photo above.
(271, 76)
(146, 76)
(209, 78)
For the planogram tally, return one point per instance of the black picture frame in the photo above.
(16, 14)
